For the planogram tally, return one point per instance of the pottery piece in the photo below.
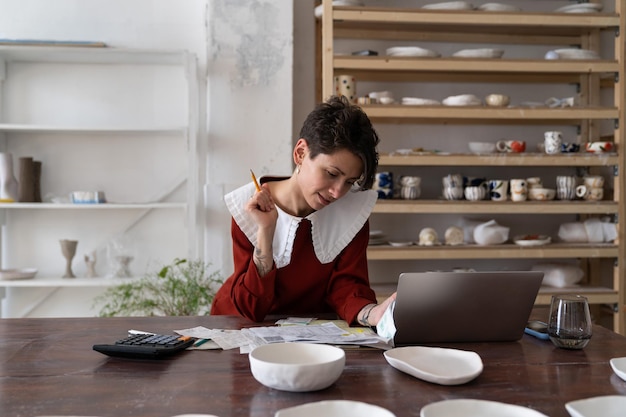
(345, 85)
(497, 100)
(552, 141)
(454, 236)
(26, 183)
(482, 147)
(68, 249)
(498, 190)
(475, 193)
(490, 233)
(8, 184)
(541, 194)
(599, 147)
(428, 237)
(519, 189)
(511, 146)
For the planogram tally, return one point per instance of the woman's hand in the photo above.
(371, 314)
(262, 208)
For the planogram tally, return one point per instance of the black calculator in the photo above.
(146, 346)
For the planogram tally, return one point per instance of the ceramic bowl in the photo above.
(87, 197)
(297, 367)
(605, 406)
(482, 147)
(541, 194)
(335, 408)
(497, 100)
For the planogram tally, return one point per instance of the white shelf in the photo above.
(103, 206)
(65, 282)
(25, 128)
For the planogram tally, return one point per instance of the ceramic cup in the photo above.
(345, 85)
(410, 187)
(475, 192)
(569, 147)
(569, 323)
(534, 182)
(594, 181)
(511, 146)
(452, 180)
(519, 189)
(552, 141)
(383, 184)
(590, 193)
(566, 187)
(498, 190)
(453, 193)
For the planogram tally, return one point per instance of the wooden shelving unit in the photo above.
(535, 29)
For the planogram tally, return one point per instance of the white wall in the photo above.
(246, 65)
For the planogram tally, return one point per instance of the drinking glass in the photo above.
(569, 325)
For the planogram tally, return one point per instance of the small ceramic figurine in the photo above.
(428, 237)
(90, 261)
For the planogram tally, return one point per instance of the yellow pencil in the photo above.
(256, 184)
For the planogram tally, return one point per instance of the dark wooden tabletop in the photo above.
(48, 367)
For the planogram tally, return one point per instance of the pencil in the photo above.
(256, 184)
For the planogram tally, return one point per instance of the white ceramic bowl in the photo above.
(619, 367)
(297, 367)
(497, 100)
(605, 406)
(335, 408)
(541, 194)
(482, 147)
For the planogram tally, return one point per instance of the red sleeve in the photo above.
(349, 288)
(245, 292)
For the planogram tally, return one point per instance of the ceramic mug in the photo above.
(498, 190)
(511, 146)
(345, 85)
(552, 141)
(452, 180)
(453, 193)
(590, 193)
(566, 187)
(383, 184)
(519, 189)
(410, 187)
(593, 181)
(534, 182)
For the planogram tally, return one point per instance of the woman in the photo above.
(299, 242)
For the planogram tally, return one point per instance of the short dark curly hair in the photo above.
(338, 124)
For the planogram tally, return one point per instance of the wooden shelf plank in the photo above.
(521, 159)
(102, 206)
(495, 207)
(504, 251)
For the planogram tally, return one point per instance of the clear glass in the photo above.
(569, 325)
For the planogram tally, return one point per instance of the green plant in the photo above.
(183, 288)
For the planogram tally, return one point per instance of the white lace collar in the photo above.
(333, 227)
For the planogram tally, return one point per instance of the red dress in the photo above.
(304, 286)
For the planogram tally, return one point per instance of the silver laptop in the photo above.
(433, 307)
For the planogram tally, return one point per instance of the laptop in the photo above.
(434, 307)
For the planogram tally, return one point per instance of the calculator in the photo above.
(146, 346)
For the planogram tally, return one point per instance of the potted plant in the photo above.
(182, 288)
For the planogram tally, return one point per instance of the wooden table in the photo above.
(47, 367)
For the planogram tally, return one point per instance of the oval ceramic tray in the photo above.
(335, 408)
(437, 365)
(24, 273)
(605, 406)
(476, 408)
(532, 240)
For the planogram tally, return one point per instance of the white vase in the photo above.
(8, 183)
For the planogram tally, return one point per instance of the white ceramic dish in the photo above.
(462, 100)
(619, 367)
(580, 8)
(24, 273)
(605, 406)
(297, 367)
(479, 53)
(437, 365)
(575, 53)
(449, 5)
(415, 101)
(335, 408)
(482, 147)
(476, 408)
(411, 51)
(401, 244)
(498, 7)
(532, 240)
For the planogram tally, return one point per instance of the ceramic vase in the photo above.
(68, 249)
(8, 183)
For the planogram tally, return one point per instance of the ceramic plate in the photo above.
(437, 365)
(575, 53)
(605, 406)
(479, 53)
(619, 367)
(449, 5)
(24, 273)
(580, 8)
(335, 408)
(411, 51)
(532, 240)
(414, 101)
(462, 100)
(477, 408)
(401, 244)
(498, 7)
